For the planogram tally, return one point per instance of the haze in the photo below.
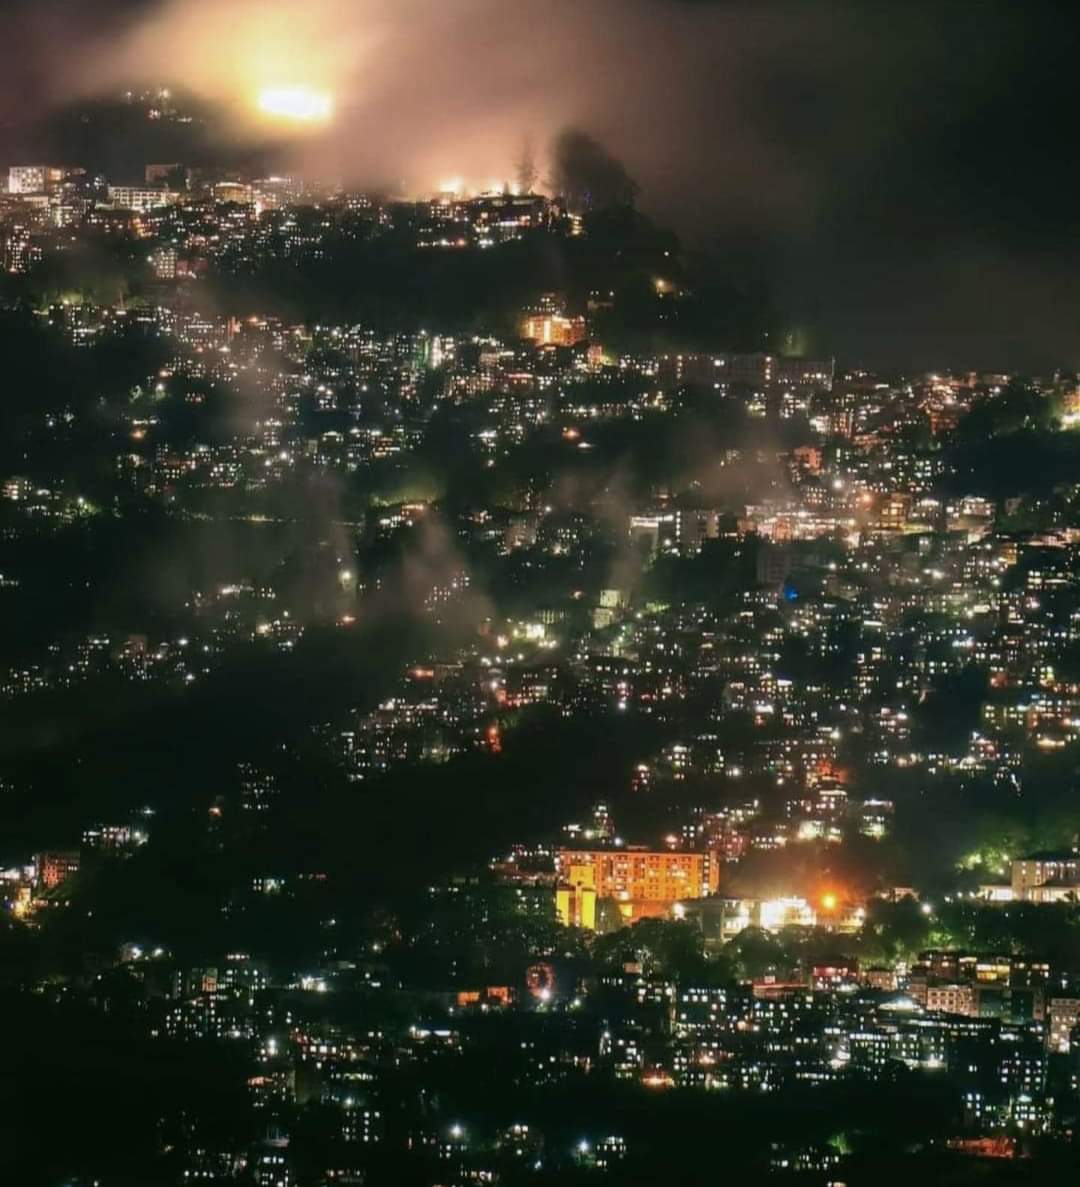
(895, 172)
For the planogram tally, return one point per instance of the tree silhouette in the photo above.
(587, 175)
(525, 170)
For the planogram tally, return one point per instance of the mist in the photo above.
(423, 94)
(834, 146)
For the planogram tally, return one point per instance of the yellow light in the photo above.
(828, 901)
(303, 104)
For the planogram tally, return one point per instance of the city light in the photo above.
(473, 664)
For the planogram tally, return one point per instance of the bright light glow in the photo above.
(828, 901)
(776, 913)
(303, 104)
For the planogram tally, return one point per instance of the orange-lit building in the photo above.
(490, 995)
(640, 882)
(552, 329)
(54, 868)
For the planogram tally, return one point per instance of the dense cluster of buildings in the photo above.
(1005, 1031)
(787, 610)
(189, 222)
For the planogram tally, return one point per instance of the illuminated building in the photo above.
(684, 529)
(218, 1013)
(953, 999)
(271, 192)
(360, 1122)
(56, 867)
(805, 1159)
(258, 788)
(575, 897)
(1047, 877)
(748, 370)
(113, 838)
(836, 975)
(34, 179)
(773, 914)
(700, 1010)
(272, 1164)
(883, 979)
(163, 260)
(549, 329)
(498, 218)
(610, 1151)
(875, 817)
(67, 208)
(140, 198)
(488, 997)
(18, 251)
(1064, 1016)
(232, 191)
(640, 882)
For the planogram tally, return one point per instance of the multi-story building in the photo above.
(56, 867)
(1047, 877)
(141, 198)
(758, 370)
(953, 999)
(1064, 1016)
(639, 881)
(553, 329)
(34, 179)
(684, 529)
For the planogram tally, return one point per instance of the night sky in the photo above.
(903, 175)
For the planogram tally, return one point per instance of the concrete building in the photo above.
(1047, 877)
(639, 882)
(1064, 1015)
(140, 198)
(34, 179)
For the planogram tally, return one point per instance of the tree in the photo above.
(177, 178)
(755, 953)
(587, 175)
(662, 947)
(526, 172)
(894, 930)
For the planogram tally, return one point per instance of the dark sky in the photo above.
(902, 172)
